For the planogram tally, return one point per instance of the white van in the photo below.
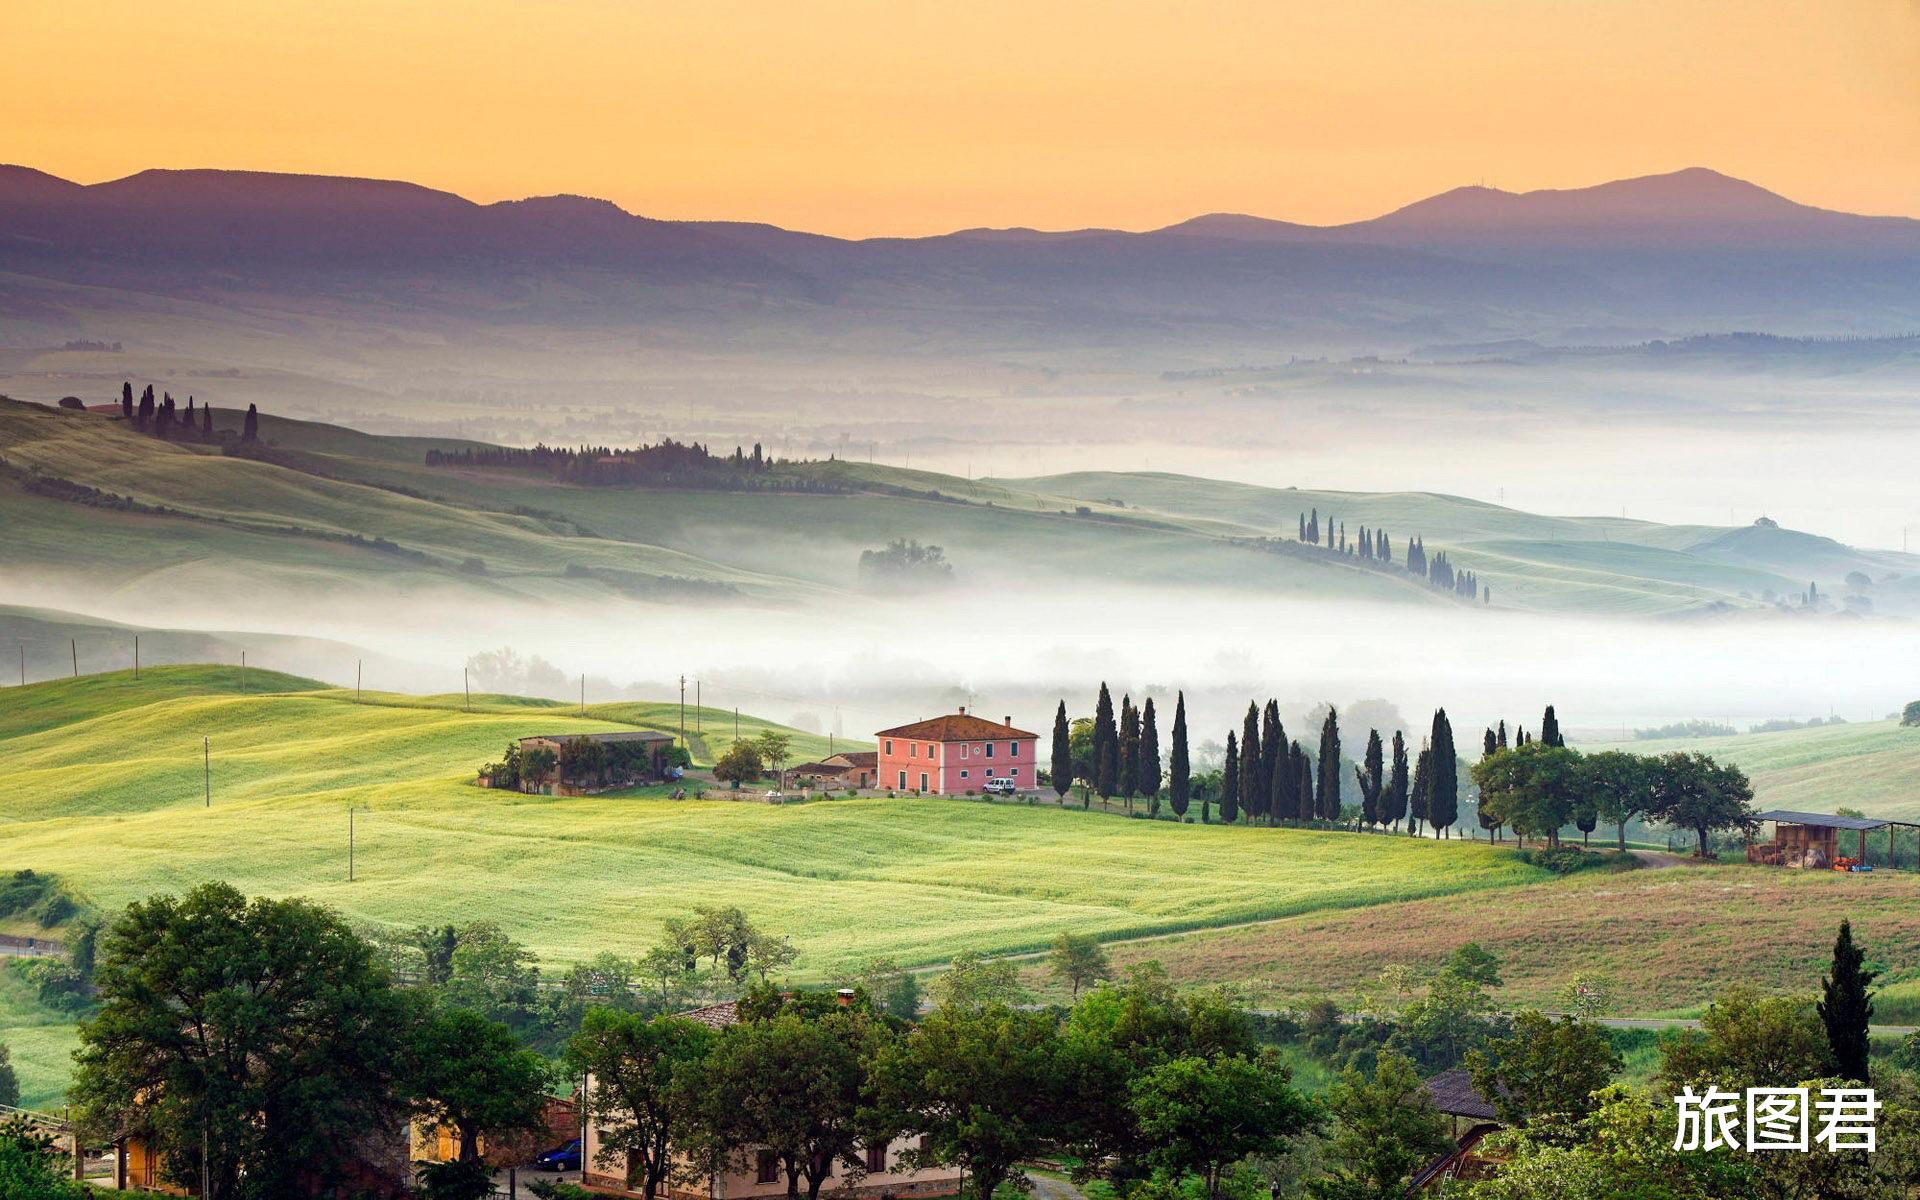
(1001, 786)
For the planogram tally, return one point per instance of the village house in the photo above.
(1473, 1117)
(957, 754)
(852, 770)
(756, 1174)
(631, 756)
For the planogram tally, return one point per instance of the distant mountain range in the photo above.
(1661, 255)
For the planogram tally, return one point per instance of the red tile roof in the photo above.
(859, 758)
(955, 727)
(715, 1016)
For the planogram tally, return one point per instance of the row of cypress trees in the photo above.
(1374, 545)
(163, 418)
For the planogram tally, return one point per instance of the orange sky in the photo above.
(901, 116)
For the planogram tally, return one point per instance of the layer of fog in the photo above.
(856, 666)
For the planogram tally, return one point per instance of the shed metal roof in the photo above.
(1823, 820)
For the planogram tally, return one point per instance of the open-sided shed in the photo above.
(1814, 840)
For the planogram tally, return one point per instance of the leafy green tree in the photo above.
(1062, 765)
(972, 980)
(9, 1080)
(1078, 960)
(492, 974)
(1080, 744)
(471, 1074)
(1179, 770)
(894, 990)
(635, 1063)
(1252, 797)
(1328, 807)
(1694, 792)
(1150, 773)
(1230, 782)
(1199, 1115)
(1532, 788)
(1393, 800)
(775, 748)
(1748, 1040)
(1385, 1129)
(980, 1086)
(1620, 786)
(1544, 1068)
(1371, 775)
(265, 1031)
(1443, 801)
(740, 765)
(1910, 715)
(1624, 1151)
(30, 1165)
(1472, 961)
(1437, 1030)
(795, 1085)
(1846, 1006)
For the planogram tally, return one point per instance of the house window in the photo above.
(965, 750)
(889, 745)
(923, 781)
(963, 772)
(1013, 749)
(876, 1159)
(913, 749)
(766, 1168)
(1014, 771)
(989, 772)
(989, 749)
(903, 781)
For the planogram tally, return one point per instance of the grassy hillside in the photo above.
(1869, 765)
(338, 508)
(1669, 939)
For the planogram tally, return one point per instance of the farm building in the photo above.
(1453, 1095)
(574, 764)
(957, 754)
(560, 1123)
(853, 770)
(1816, 841)
(376, 1167)
(756, 1173)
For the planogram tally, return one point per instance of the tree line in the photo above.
(1374, 547)
(665, 464)
(163, 418)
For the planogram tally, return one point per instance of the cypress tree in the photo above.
(1230, 782)
(1370, 777)
(1846, 1006)
(1273, 745)
(206, 420)
(1383, 546)
(1303, 527)
(1179, 780)
(1106, 746)
(126, 400)
(1393, 802)
(1488, 745)
(250, 429)
(1251, 797)
(1550, 729)
(1422, 789)
(1149, 775)
(1280, 804)
(1303, 780)
(144, 416)
(1329, 762)
(1500, 739)
(1313, 527)
(1062, 766)
(1129, 751)
(1443, 799)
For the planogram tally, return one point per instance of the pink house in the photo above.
(956, 754)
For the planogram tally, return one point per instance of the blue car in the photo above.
(560, 1158)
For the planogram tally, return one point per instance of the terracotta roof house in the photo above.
(755, 1173)
(1474, 1117)
(956, 755)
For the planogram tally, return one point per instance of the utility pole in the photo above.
(23, 662)
(466, 685)
(136, 656)
(583, 693)
(736, 722)
(356, 681)
(243, 670)
(683, 712)
(696, 706)
(349, 843)
(74, 645)
(206, 768)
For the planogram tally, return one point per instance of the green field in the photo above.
(1873, 766)
(107, 794)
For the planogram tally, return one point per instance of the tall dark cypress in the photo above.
(1280, 802)
(1846, 1006)
(143, 417)
(1230, 782)
(1550, 729)
(250, 428)
(1500, 735)
(1303, 527)
(1179, 777)
(1062, 766)
(1129, 751)
(1422, 789)
(1303, 780)
(1329, 763)
(1106, 746)
(1370, 776)
(1273, 745)
(1252, 799)
(126, 400)
(1393, 801)
(1488, 745)
(206, 420)
(1149, 775)
(1443, 801)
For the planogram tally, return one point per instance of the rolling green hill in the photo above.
(106, 794)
